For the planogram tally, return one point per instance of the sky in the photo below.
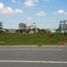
(45, 13)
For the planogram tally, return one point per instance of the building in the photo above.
(31, 28)
(23, 28)
(27, 28)
(63, 26)
(10, 30)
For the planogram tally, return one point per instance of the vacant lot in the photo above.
(32, 39)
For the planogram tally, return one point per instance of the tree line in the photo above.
(1, 27)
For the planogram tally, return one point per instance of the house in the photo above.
(63, 26)
(27, 28)
(31, 28)
(23, 28)
(10, 30)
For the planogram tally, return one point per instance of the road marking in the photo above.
(21, 61)
(30, 49)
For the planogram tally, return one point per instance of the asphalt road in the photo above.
(33, 56)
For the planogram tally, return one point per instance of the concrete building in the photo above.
(10, 30)
(27, 28)
(63, 26)
(32, 28)
(23, 28)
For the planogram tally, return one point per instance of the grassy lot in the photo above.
(32, 39)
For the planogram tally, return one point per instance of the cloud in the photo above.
(1, 6)
(18, 11)
(61, 11)
(40, 13)
(8, 10)
(30, 3)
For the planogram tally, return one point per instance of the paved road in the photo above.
(33, 56)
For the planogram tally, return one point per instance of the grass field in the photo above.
(32, 39)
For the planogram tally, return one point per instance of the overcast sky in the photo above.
(45, 13)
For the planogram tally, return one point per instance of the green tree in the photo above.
(1, 27)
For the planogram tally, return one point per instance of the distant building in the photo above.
(10, 30)
(27, 28)
(63, 26)
(23, 28)
(31, 28)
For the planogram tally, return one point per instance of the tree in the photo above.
(1, 27)
(41, 30)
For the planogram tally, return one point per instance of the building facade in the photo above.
(63, 26)
(29, 28)
(23, 28)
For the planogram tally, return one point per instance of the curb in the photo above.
(33, 46)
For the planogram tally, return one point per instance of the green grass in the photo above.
(32, 39)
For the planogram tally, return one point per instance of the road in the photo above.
(33, 56)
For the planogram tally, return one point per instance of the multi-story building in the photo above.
(32, 28)
(23, 28)
(63, 26)
(29, 28)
